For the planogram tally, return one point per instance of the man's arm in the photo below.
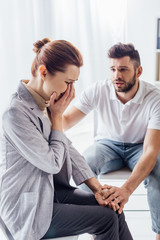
(71, 117)
(145, 165)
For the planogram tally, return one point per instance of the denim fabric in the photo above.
(106, 156)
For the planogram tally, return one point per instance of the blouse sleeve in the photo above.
(23, 135)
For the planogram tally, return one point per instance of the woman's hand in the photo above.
(57, 107)
(99, 195)
(116, 195)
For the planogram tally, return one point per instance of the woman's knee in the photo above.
(121, 217)
(108, 217)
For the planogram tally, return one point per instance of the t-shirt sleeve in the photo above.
(86, 102)
(154, 122)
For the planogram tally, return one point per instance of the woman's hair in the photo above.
(55, 55)
(121, 50)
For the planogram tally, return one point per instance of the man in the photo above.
(128, 132)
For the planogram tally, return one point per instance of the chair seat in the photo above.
(121, 174)
(64, 238)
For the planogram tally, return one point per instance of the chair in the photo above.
(64, 238)
(138, 199)
(121, 174)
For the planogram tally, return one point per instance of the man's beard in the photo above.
(127, 86)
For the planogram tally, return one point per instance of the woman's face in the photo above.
(58, 82)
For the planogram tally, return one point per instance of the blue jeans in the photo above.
(106, 156)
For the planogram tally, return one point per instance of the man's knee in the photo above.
(153, 178)
(90, 158)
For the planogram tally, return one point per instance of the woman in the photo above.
(37, 200)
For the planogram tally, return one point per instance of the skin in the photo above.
(123, 74)
(59, 91)
(50, 87)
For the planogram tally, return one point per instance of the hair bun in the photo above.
(39, 44)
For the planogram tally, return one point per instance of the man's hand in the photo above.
(99, 193)
(102, 201)
(116, 195)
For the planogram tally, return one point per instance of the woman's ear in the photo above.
(139, 71)
(42, 71)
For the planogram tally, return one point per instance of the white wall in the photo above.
(141, 30)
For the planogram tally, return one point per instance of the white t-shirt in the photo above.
(122, 122)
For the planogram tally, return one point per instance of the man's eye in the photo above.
(122, 69)
(112, 70)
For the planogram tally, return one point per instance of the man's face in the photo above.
(123, 74)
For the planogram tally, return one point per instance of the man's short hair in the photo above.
(121, 50)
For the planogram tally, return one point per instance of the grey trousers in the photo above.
(77, 212)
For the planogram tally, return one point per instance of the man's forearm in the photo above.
(72, 117)
(141, 171)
